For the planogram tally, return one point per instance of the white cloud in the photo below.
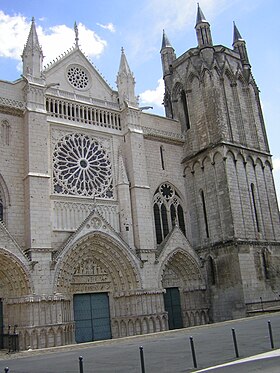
(13, 35)
(153, 97)
(54, 40)
(173, 16)
(108, 26)
(179, 14)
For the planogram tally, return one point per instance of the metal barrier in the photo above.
(10, 341)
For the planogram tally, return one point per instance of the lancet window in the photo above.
(168, 211)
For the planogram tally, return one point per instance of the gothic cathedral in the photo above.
(116, 222)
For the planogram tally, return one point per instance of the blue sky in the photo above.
(106, 26)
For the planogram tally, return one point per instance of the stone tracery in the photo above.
(77, 77)
(81, 166)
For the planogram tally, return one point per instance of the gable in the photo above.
(76, 74)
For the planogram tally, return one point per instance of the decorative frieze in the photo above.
(67, 216)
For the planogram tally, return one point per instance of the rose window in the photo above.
(77, 77)
(81, 166)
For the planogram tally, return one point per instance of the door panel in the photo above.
(92, 317)
(172, 305)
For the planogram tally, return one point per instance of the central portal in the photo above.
(92, 317)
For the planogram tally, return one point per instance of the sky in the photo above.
(105, 26)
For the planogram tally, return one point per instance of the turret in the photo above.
(203, 31)
(126, 84)
(239, 46)
(32, 56)
(167, 55)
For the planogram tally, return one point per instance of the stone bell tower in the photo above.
(230, 190)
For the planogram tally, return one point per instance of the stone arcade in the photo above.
(117, 222)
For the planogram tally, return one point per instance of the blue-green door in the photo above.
(92, 317)
(172, 305)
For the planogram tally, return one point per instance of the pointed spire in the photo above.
(165, 41)
(203, 31)
(236, 34)
(32, 43)
(200, 17)
(76, 30)
(32, 55)
(167, 55)
(239, 45)
(124, 67)
(126, 83)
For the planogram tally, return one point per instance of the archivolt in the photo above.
(184, 266)
(14, 279)
(122, 272)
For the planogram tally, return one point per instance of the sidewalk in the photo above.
(235, 364)
(166, 352)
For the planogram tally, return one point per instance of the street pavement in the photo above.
(166, 352)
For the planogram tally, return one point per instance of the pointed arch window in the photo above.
(255, 206)
(185, 108)
(162, 157)
(204, 213)
(5, 132)
(168, 211)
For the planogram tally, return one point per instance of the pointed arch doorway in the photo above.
(94, 273)
(92, 317)
(185, 298)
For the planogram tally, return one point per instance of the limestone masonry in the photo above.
(116, 222)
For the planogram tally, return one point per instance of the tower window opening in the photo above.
(185, 108)
(255, 206)
(161, 157)
(204, 214)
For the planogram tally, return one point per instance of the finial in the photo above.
(76, 35)
(122, 50)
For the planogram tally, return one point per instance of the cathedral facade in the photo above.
(117, 222)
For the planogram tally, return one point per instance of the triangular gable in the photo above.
(176, 239)
(94, 223)
(8, 243)
(74, 73)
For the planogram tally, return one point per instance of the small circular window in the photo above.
(77, 77)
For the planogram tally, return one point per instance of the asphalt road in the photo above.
(167, 352)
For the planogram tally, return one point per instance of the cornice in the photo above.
(12, 107)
